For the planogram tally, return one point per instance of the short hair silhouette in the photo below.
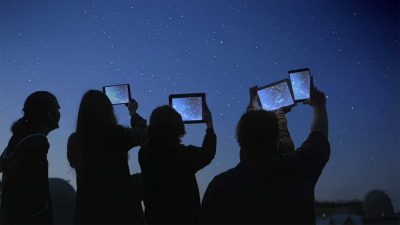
(36, 108)
(257, 131)
(166, 125)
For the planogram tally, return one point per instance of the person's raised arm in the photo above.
(253, 102)
(285, 142)
(314, 153)
(137, 122)
(210, 141)
(199, 157)
(136, 135)
(320, 116)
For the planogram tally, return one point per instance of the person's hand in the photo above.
(253, 98)
(132, 106)
(283, 110)
(207, 116)
(317, 99)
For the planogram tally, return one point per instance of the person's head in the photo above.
(96, 114)
(41, 111)
(257, 134)
(166, 125)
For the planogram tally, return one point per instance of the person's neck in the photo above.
(259, 160)
(42, 129)
(256, 158)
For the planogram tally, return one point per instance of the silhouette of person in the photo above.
(268, 186)
(171, 193)
(25, 197)
(285, 142)
(98, 151)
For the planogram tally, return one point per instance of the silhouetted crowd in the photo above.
(272, 184)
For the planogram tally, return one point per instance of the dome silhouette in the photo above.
(63, 198)
(377, 204)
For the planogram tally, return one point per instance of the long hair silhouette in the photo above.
(96, 119)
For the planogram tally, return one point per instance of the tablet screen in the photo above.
(189, 106)
(118, 94)
(301, 84)
(276, 96)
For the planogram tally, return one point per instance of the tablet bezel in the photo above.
(203, 100)
(311, 82)
(115, 85)
(273, 84)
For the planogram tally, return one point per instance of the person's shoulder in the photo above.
(142, 150)
(146, 151)
(35, 143)
(318, 135)
(120, 133)
(73, 135)
(188, 147)
(72, 139)
(35, 139)
(225, 177)
(315, 141)
(118, 129)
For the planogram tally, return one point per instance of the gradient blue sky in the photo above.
(221, 48)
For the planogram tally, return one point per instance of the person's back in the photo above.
(267, 187)
(170, 185)
(279, 193)
(104, 193)
(171, 193)
(99, 156)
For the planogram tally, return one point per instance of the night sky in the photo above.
(221, 48)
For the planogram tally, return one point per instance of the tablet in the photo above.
(118, 94)
(189, 106)
(276, 95)
(301, 82)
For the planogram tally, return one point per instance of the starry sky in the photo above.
(220, 47)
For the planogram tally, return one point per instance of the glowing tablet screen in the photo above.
(118, 94)
(190, 108)
(275, 96)
(301, 84)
